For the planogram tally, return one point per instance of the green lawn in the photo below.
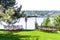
(28, 35)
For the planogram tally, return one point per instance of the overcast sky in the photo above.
(39, 4)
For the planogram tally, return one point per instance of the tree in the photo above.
(18, 13)
(9, 12)
(7, 3)
(46, 22)
(7, 15)
(56, 21)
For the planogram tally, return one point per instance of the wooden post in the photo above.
(25, 22)
(36, 21)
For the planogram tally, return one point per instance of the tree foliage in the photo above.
(46, 22)
(18, 13)
(7, 15)
(7, 3)
(56, 21)
(9, 12)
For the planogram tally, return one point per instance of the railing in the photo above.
(48, 28)
(13, 27)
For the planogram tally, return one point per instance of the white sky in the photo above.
(39, 4)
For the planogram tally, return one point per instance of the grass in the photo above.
(28, 35)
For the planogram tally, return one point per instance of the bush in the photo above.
(46, 22)
(56, 21)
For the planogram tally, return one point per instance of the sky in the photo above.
(39, 4)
